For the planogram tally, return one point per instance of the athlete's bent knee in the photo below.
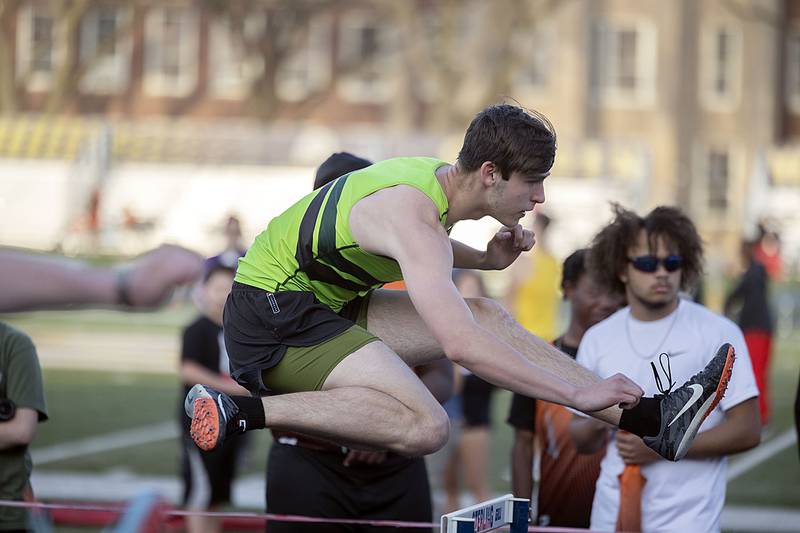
(430, 433)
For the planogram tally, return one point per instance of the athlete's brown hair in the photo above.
(608, 256)
(512, 138)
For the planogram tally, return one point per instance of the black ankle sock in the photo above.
(252, 411)
(644, 419)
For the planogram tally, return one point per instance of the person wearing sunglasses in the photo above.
(659, 340)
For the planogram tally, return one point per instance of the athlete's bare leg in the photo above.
(392, 317)
(372, 399)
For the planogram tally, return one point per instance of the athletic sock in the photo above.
(643, 420)
(252, 410)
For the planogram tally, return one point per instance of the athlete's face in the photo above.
(512, 198)
(652, 290)
(215, 292)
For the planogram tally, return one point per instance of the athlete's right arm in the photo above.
(413, 236)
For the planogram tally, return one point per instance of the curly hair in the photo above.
(511, 137)
(608, 256)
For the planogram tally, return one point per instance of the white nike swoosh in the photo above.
(225, 415)
(697, 392)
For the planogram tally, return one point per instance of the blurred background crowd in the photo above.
(125, 124)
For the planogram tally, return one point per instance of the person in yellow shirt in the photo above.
(534, 293)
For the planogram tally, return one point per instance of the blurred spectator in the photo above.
(313, 477)
(93, 218)
(469, 456)
(208, 476)
(22, 407)
(234, 249)
(767, 251)
(651, 258)
(754, 316)
(31, 280)
(93, 211)
(797, 415)
(533, 294)
(567, 481)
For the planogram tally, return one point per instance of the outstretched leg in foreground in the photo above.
(393, 318)
(668, 426)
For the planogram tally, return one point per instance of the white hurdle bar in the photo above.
(488, 516)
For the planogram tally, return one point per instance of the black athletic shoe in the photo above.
(214, 416)
(684, 409)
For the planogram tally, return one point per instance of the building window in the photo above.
(718, 177)
(623, 66)
(171, 51)
(37, 52)
(793, 71)
(105, 50)
(366, 59)
(720, 68)
(42, 43)
(307, 68)
(534, 59)
(235, 55)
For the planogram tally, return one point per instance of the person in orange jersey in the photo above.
(567, 479)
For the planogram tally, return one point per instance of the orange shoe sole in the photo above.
(727, 371)
(205, 424)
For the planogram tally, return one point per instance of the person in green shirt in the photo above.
(22, 407)
(292, 321)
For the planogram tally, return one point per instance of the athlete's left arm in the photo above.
(739, 432)
(502, 250)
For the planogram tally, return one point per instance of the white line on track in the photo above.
(105, 443)
(760, 454)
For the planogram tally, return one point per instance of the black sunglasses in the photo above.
(649, 263)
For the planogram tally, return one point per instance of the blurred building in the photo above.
(694, 102)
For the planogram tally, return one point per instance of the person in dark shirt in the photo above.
(208, 476)
(567, 478)
(751, 295)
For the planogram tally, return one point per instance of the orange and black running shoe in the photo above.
(685, 408)
(214, 416)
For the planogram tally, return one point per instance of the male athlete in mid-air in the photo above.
(325, 352)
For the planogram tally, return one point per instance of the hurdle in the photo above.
(488, 516)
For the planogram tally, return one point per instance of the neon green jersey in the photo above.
(309, 246)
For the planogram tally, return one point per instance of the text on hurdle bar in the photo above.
(489, 515)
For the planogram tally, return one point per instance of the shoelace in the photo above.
(667, 372)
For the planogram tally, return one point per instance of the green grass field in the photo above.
(90, 403)
(84, 404)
